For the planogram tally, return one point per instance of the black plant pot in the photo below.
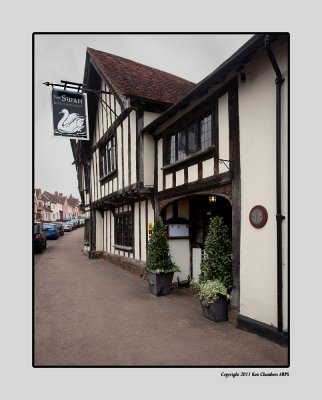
(160, 284)
(217, 311)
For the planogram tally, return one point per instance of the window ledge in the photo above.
(194, 156)
(125, 248)
(108, 177)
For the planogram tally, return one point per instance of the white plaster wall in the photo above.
(148, 160)
(143, 230)
(132, 118)
(126, 152)
(99, 231)
(168, 181)
(258, 291)
(193, 173)
(180, 177)
(136, 230)
(148, 148)
(180, 253)
(92, 179)
(119, 155)
(208, 168)
(150, 214)
(223, 127)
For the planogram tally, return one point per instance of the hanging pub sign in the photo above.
(70, 114)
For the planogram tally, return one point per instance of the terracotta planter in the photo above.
(160, 284)
(217, 311)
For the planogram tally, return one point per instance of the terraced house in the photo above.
(163, 148)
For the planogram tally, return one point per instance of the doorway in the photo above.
(202, 209)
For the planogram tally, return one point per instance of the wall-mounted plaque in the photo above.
(178, 230)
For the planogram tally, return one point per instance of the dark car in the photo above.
(60, 228)
(40, 239)
(52, 231)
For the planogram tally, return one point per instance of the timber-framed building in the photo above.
(164, 148)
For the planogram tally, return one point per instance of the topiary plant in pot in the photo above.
(159, 265)
(215, 279)
(213, 299)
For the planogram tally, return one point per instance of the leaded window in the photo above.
(191, 138)
(181, 145)
(124, 229)
(107, 157)
(205, 132)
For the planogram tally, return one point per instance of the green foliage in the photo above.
(216, 263)
(210, 290)
(158, 257)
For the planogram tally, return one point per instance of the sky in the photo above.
(62, 57)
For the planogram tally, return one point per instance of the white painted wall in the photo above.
(126, 152)
(132, 119)
(208, 168)
(148, 160)
(168, 181)
(258, 291)
(180, 253)
(180, 177)
(223, 127)
(193, 173)
(99, 231)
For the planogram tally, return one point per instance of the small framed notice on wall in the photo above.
(178, 230)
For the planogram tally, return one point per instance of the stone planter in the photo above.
(160, 284)
(217, 311)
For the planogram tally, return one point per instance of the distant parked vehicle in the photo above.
(68, 226)
(75, 221)
(40, 239)
(52, 231)
(60, 228)
(81, 221)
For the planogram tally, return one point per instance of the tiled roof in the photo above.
(133, 79)
(49, 197)
(59, 199)
(72, 201)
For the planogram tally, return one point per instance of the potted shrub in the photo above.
(213, 297)
(159, 265)
(215, 279)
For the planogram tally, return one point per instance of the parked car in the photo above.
(40, 239)
(75, 221)
(68, 226)
(81, 221)
(60, 228)
(52, 231)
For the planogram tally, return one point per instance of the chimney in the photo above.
(56, 193)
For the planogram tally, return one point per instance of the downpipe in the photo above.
(279, 217)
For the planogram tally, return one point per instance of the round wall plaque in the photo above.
(258, 216)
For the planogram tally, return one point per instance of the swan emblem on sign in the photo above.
(71, 123)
